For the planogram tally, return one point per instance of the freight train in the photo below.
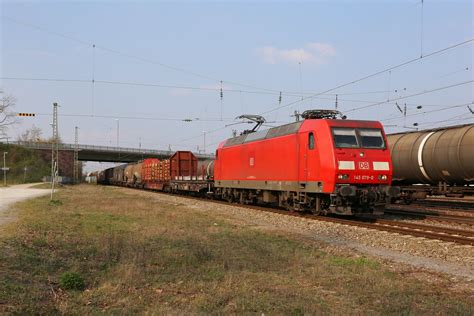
(321, 164)
(434, 162)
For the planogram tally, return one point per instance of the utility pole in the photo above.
(24, 175)
(140, 146)
(76, 155)
(118, 135)
(54, 148)
(118, 131)
(204, 147)
(4, 169)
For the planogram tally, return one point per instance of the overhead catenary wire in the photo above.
(240, 91)
(410, 96)
(329, 90)
(405, 63)
(143, 59)
(197, 88)
(148, 118)
(172, 86)
(132, 56)
(454, 121)
(378, 103)
(455, 72)
(430, 111)
(456, 118)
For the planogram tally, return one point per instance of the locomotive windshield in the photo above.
(358, 138)
(371, 138)
(345, 137)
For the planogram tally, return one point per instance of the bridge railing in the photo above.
(111, 149)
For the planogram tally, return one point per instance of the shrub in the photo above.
(72, 281)
(55, 203)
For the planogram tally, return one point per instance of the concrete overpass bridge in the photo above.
(106, 153)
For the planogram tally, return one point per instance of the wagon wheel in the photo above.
(241, 198)
(317, 207)
(229, 198)
(288, 206)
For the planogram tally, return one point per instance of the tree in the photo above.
(35, 135)
(31, 135)
(7, 117)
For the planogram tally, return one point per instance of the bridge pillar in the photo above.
(66, 161)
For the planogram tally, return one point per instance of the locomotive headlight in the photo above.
(361, 154)
(343, 176)
(382, 177)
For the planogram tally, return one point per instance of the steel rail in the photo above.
(397, 227)
(438, 229)
(417, 230)
(450, 205)
(468, 220)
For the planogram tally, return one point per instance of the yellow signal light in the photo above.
(26, 114)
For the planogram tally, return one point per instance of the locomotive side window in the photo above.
(371, 138)
(310, 141)
(345, 137)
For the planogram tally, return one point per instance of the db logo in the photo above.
(363, 165)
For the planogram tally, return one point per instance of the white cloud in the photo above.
(314, 53)
(324, 49)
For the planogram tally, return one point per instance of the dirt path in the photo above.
(13, 194)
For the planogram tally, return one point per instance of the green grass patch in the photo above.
(72, 281)
(354, 262)
(105, 251)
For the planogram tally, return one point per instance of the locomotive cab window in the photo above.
(371, 138)
(345, 137)
(310, 141)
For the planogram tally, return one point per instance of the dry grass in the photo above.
(139, 257)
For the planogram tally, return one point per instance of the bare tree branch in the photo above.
(7, 116)
(34, 134)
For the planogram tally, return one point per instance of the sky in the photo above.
(155, 69)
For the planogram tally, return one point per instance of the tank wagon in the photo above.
(440, 160)
(321, 164)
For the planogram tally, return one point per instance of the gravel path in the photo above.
(420, 253)
(13, 194)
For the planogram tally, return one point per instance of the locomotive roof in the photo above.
(286, 129)
(265, 134)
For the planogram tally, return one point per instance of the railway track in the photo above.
(430, 215)
(459, 236)
(447, 204)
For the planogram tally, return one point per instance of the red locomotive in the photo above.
(320, 164)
